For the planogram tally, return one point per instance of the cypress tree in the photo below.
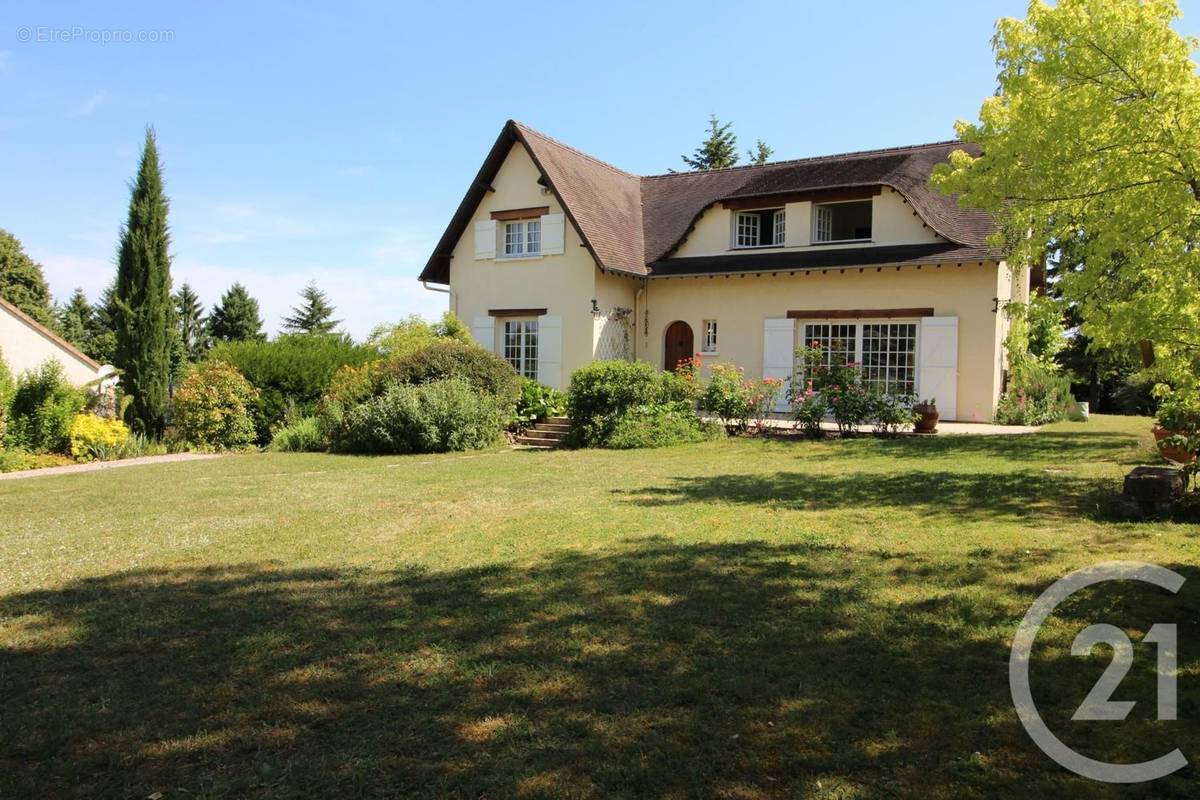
(313, 315)
(22, 281)
(145, 316)
(235, 317)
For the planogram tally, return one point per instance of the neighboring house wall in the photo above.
(742, 303)
(892, 222)
(26, 344)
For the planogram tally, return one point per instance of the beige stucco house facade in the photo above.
(26, 344)
(556, 259)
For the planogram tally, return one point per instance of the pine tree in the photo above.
(235, 317)
(718, 151)
(22, 281)
(75, 320)
(145, 315)
(313, 315)
(189, 319)
(102, 333)
(761, 153)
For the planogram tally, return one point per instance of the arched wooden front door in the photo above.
(678, 344)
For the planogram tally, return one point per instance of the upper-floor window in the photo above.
(761, 228)
(523, 238)
(842, 222)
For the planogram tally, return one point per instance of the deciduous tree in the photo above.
(1092, 143)
(22, 282)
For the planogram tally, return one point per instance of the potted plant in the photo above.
(1178, 426)
(926, 416)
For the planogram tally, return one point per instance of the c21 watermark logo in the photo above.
(1097, 705)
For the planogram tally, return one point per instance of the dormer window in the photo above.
(522, 238)
(842, 222)
(760, 228)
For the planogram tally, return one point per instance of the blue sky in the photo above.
(301, 143)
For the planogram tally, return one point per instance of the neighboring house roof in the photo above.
(53, 337)
(632, 224)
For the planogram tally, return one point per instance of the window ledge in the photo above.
(708, 353)
(506, 259)
(815, 243)
(758, 247)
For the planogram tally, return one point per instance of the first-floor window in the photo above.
(709, 342)
(521, 346)
(523, 238)
(886, 351)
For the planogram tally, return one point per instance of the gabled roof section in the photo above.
(48, 334)
(674, 202)
(631, 224)
(602, 202)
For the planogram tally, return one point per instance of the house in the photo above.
(555, 259)
(26, 343)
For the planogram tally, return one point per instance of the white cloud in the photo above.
(92, 104)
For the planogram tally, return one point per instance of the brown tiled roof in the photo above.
(632, 224)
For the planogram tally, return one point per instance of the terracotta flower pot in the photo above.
(1171, 452)
(928, 419)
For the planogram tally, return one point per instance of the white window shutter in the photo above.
(549, 346)
(937, 364)
(485, 239)
(553, 234)
(483, 329)
(779, 353)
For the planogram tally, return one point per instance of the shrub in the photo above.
(433, 417)
(602, 391)
(41, 409)
(300, 436)
(212, 407)
(537, 402)
(96, 438)
(414, 333)
(290, 373)
(735, 400)
(889, 413)
(1036, 395)
(446, 358)
(659, 426)
(7, 387)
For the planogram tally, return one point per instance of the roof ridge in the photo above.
(574, 150)
(808, 159)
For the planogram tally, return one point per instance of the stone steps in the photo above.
(546, 435)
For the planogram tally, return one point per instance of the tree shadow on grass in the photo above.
(1074, 446)
(1023, 495)
(649, 670)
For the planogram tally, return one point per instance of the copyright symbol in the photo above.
(24, 33)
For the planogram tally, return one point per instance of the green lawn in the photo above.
(733, 619)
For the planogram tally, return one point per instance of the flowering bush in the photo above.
(96, 438)
(808, 410)
(737, 401)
